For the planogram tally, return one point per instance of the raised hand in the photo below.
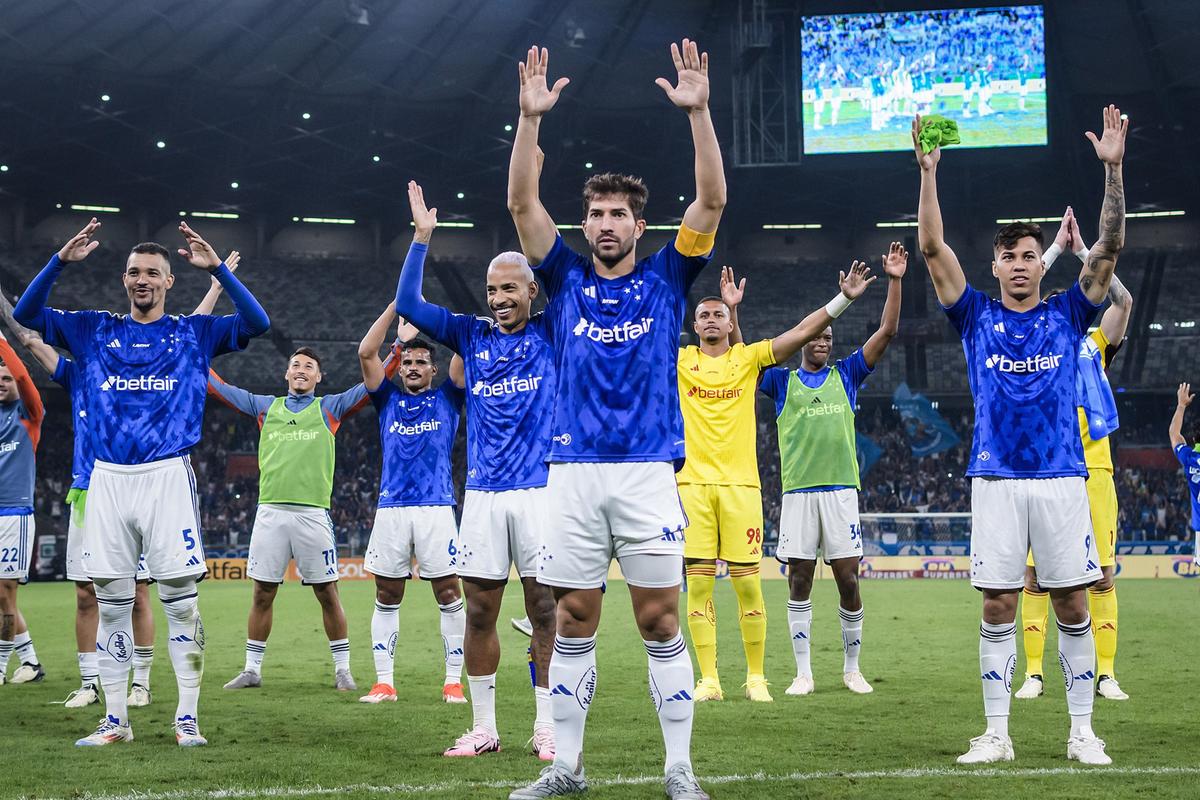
(424, 218)
(895, 261)
(1185, 395)
(537, 97)
(405, 330)
(1110, 146)
(691, 90)
(925, 161)
(732, 292)
(1063, 237)
(199, 253)
(1076, 239)
(855, 282)
(79, 246)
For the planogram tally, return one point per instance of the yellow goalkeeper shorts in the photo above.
(724, 522)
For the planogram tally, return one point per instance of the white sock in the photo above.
(89, 669)
(800, 621)
(671, 682)
(185, 637)
(544, 715)
(483, 701)
(852, 625)
(6, 648)
(997, 663)
(340, 650)
(1077, 657)
(143, 659)
(23, 645)
(114, 644)
(454, 626)
(256, 651)
(572, 686)
(385, 626)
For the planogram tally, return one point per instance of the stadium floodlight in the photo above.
(306, 115)
(587, 165)
(1154, 214)
(460, 195)
(102, 209)
(793, 226)
(508, 128)
(234, 185)
(682, 198)
(3, 167)
(160, 144)
(453, 224)
(58, 205)
(212, 214)
(104, 98)
(328, 220)
(1011, 220)
(903, 224)
(376, 159)
(666, 227)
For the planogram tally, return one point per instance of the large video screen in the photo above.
(865, 75)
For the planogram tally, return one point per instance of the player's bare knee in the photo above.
(326, 594)
(389, 591)
(1106, 580)
(658, 621)
(539, 607)
(1070, 605)
(85, 597)
(999, 606)
(800, 579)
(446, 592)
(264, 595)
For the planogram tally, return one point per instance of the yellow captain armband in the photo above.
(692, 243)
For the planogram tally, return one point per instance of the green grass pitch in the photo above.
(298, 737)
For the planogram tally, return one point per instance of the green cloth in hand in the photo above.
(937, 131)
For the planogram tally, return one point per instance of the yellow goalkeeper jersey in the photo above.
(716, 396)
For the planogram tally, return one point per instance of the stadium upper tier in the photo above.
(329, 305)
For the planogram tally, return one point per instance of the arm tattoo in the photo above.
(1118, 294)
(1098, 269)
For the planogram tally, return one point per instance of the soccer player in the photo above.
(145, 375)
(814, 407)
(415, 518)
(65, 372)
(617, 430)
(510, 371)
(718, 484)
(1026, 465)
(1189, 458)
(296, 457)
(1097, 419)
(21, 415)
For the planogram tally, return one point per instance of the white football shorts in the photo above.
(402, 533)
(499, 529)
(824, 520)
(283, 531)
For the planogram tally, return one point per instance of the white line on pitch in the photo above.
(233, 793)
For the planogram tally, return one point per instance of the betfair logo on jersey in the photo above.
(816, 409)
(507, 386)
(428, 426)
(8, 447)
(700, 393)
(616, 334)
(1025, 366)
(142, 383)
(298, 435)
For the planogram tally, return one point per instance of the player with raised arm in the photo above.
(296, 458)
(1189, 459)
(1097, 420)
(510, 371)
(1026, 465)
(719, 483)
(814, 408)
(65, 372)
(21, 415)
(145, 376)
(617, 430)
(415, 518)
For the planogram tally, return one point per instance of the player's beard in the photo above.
(147, 305)
(625, 248)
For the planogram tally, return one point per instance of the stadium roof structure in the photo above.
(258, 106)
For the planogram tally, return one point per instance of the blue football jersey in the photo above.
(1190, 459)
(66, 374)
(1021, 367)
(616, 344)
(510, 399)
(143, 383)
(417, 432)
